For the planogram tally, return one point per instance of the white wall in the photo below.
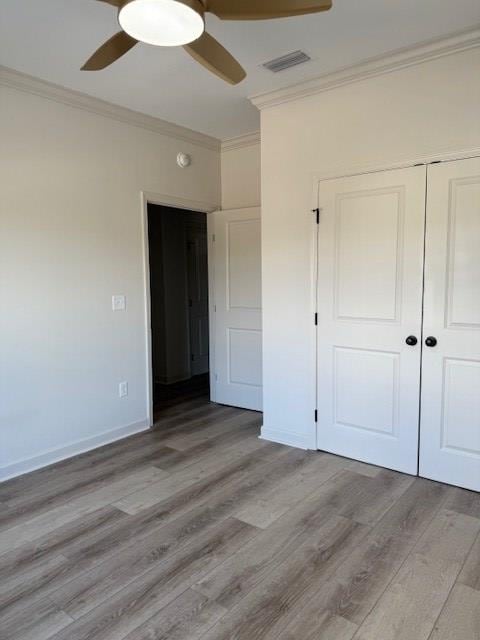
(71, 237)
(427, 109)
(241, 175)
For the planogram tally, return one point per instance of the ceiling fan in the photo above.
(181, 23)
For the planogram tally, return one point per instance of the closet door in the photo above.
(450, 416)
(370, 277)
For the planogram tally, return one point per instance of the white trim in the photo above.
(239, 142)
(147, 309)
(211, 306)
(177, 202)
(287, 438)
(69, 451)
(36, 86)
(148, 197)
(359, 169)
(314, 304)
(378, 65)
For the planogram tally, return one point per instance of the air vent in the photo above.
(287, 61)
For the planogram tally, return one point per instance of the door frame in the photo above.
(177, 202)
(350, 171)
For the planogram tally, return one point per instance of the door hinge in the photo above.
(316, 319)
(316, 415)
(317, 214)
(213, 238)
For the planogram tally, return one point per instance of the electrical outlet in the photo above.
(119, 303)
(123, 389)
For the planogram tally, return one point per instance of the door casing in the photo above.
(146, 198)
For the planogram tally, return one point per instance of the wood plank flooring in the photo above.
(198, 530)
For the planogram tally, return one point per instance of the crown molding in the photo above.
(239, 142)
(36, 86)
(379, 65)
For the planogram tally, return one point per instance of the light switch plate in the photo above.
(123, 389)
(119, 303)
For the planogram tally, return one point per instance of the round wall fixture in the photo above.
(184, 160)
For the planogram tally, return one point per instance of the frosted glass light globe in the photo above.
(166, 23)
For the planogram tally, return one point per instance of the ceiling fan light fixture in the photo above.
(166, 23)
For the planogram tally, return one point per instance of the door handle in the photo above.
(411, 341)
(431, 341)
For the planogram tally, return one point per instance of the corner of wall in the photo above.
(240, 172)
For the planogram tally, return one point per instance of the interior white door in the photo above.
(197, 279)
(370, 272)
(237, 307)
(450, 415)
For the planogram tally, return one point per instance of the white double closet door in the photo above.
(399, 320)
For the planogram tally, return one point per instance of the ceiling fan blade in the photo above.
(210, 53)
(111, 50)
(265, 9)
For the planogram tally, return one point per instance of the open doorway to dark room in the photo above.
(178, 255)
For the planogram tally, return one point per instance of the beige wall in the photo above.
(70, 237)
(423, 110)
(241, 176)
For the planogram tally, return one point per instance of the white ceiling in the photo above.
(51, 39)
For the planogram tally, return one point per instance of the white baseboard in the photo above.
(286, 437)
(62, 453)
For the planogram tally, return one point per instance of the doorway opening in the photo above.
(178, 261)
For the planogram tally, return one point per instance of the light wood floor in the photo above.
(198, 529)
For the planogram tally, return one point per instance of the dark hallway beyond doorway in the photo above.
(178, 257)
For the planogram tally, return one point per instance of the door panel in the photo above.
(238, 315)
(353, 406)
(359, 215)
(244, 264)
(370, 271)
(450, 418)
